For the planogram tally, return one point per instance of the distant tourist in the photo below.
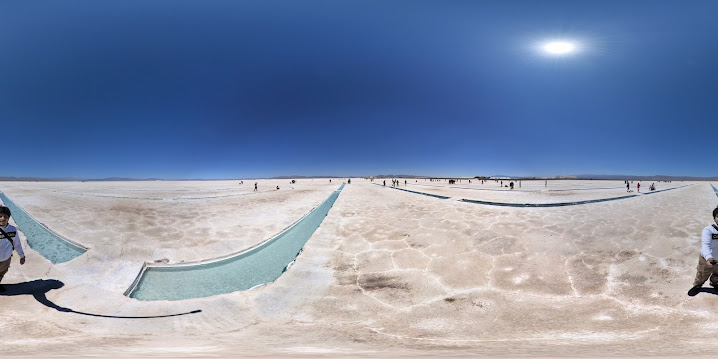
(511, 184)
(638, 187)
(628, 187)
(277, 188)
(384, 183)
(707, 268)
(10, 241)
(255, 186)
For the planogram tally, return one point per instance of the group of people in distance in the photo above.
(638, 187)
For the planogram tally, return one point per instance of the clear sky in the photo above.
(238, 89)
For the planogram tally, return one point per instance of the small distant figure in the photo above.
(545, 183)
(511, 184)
(638, 187)
(384, 183)
(255, 186)
(349, 181)
(277, 188)
(330, 181)
(653, 186)
(9, 242)
(707, 267)
(628, 187)
(404, 182)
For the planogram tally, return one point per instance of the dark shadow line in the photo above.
(422, 193)
(563, 204)
(668, 189)
(38, 288)
(713, 291)
(515, 189)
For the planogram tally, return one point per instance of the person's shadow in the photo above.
(39, 287)
(713, 291)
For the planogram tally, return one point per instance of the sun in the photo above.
(559, 48)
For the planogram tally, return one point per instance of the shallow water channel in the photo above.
(40, 238)
(256, 266)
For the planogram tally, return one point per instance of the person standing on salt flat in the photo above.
(707, 268)
(10, 241)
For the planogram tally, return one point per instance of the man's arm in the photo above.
(707, 245)
(18, 247)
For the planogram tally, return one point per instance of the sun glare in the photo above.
(559, 48)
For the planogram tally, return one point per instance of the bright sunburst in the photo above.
(558, 48)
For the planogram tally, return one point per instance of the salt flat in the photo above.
(387, 273)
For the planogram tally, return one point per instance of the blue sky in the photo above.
(242, 89)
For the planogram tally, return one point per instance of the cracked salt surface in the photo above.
(391, 271)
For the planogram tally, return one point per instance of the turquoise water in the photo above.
(260, 265)
(41, 239)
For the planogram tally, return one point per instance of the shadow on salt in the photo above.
(563, 204)
(421, 193)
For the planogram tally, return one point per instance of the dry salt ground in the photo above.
(388, 273)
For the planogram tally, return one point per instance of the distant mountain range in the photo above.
(581, 176)
(38, 179)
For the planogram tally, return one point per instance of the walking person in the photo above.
(638, 187)
(255, 186)
(707, 266)
(9, 242)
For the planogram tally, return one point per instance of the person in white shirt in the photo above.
(707, 266)
(9, 241)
